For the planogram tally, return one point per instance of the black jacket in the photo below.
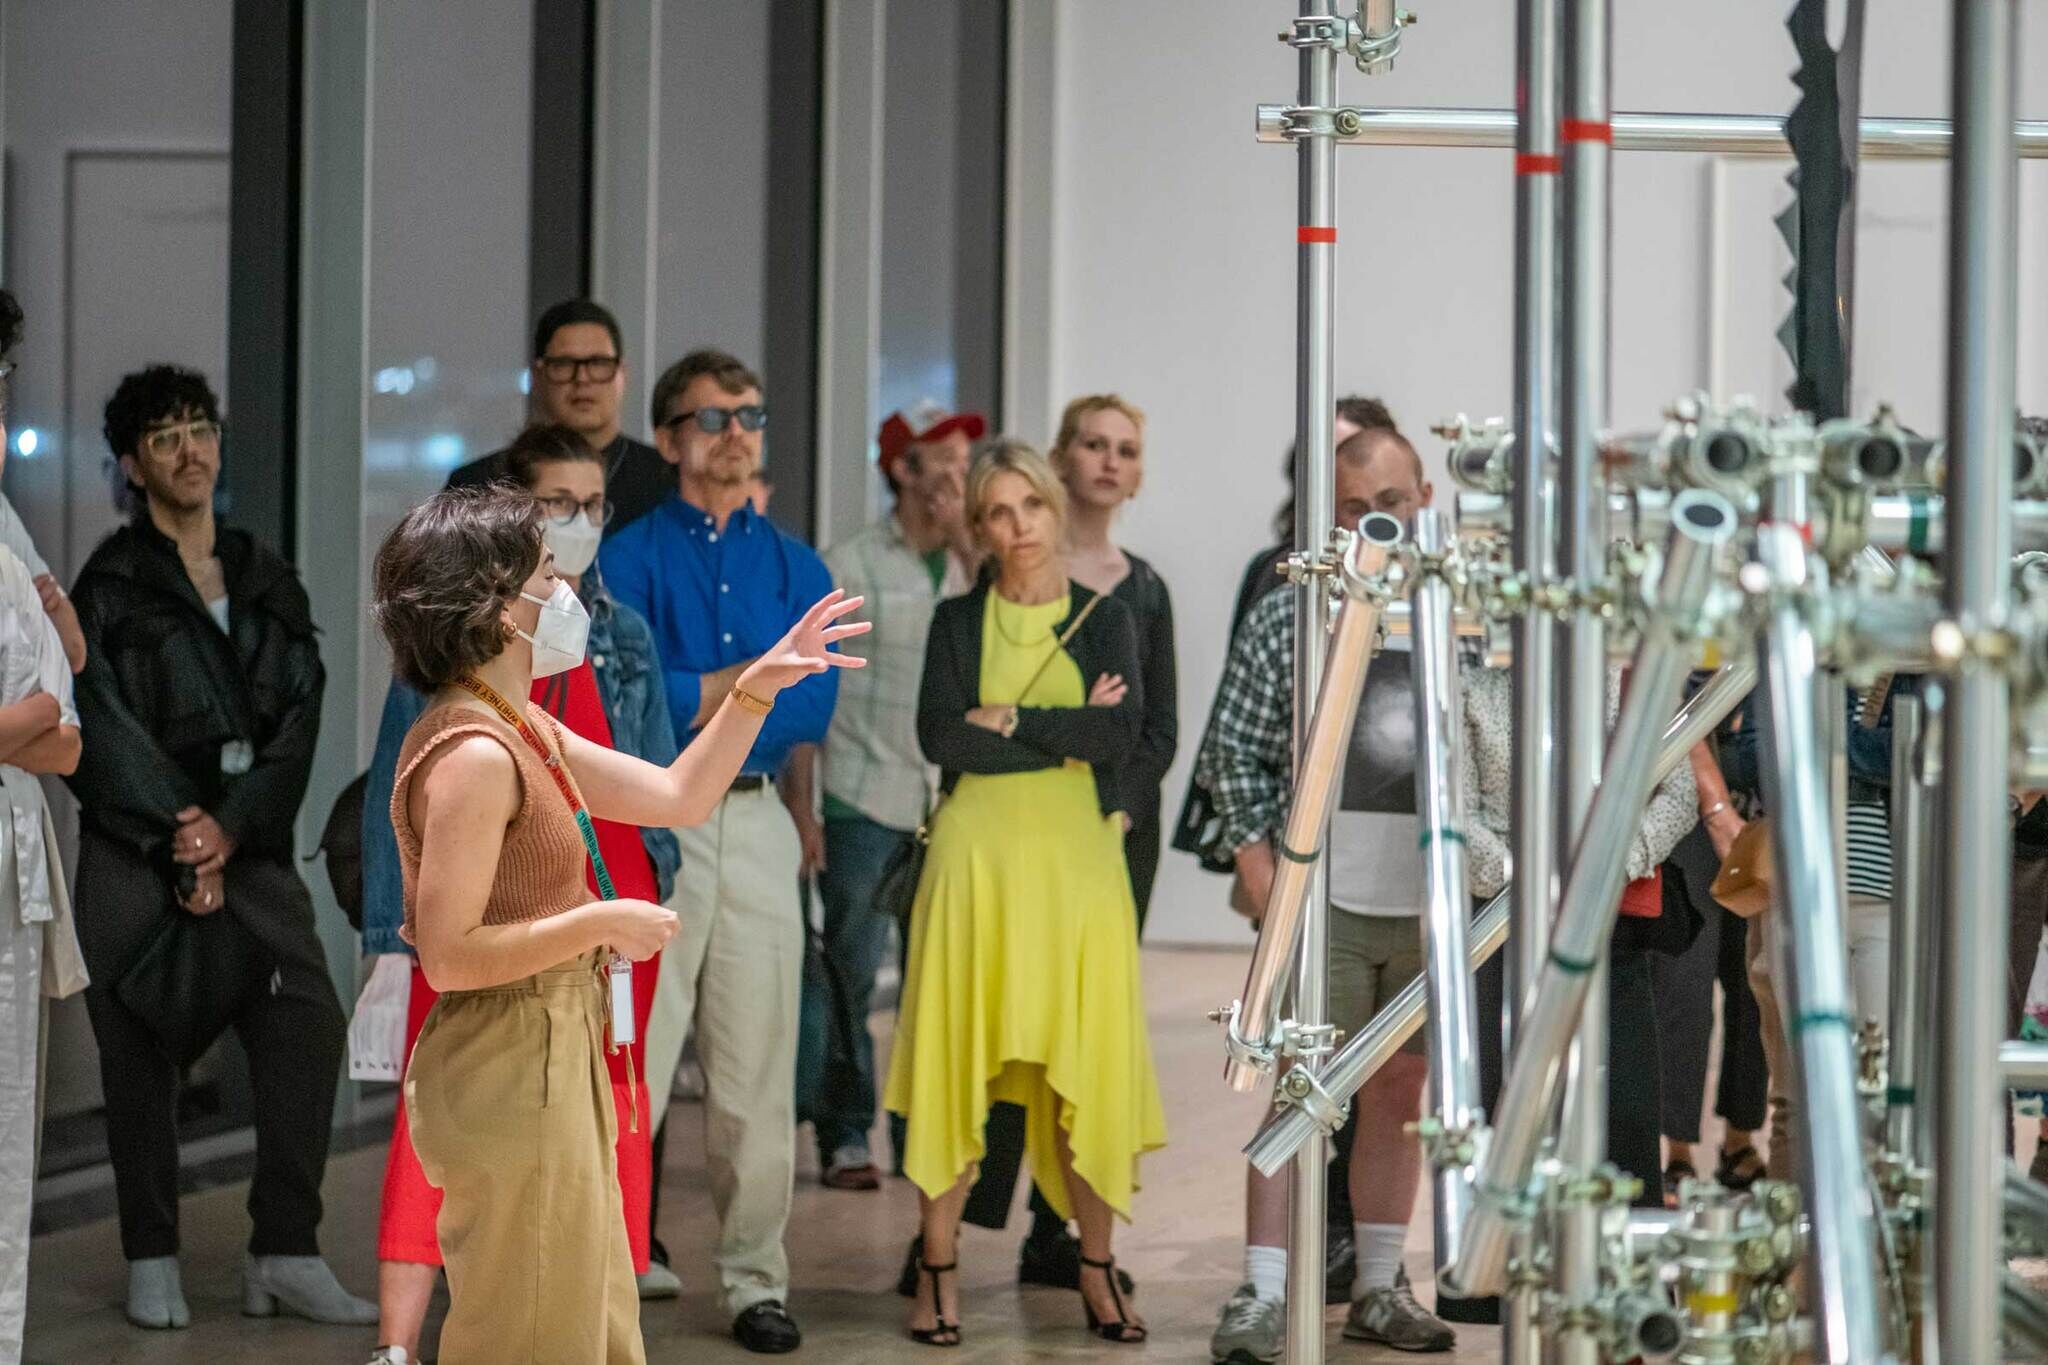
(164, 691)
(637, 479)
(1143, 591)
(1104, 737)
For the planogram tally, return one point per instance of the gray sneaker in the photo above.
(1252, 1331)
(1393, 1318)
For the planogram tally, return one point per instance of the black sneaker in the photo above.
(1056, 1263)
(1340, 1263)
(767, 1330)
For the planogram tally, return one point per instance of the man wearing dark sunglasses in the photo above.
(719, 583)
(578, 380)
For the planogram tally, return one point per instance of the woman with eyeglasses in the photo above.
(612, 697)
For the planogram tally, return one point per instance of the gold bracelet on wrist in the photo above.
(751, 703)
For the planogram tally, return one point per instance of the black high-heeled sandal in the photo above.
(942, 1333)
(1120, 1331)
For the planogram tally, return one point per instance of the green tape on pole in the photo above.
(1822, 1019)
(1450, 836)
(1576, 968)
(1916, 524)
(1898, 1094)
(1291, 856)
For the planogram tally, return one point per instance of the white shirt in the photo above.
(32, 659)
(14, 536)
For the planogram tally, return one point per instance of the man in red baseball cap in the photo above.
(875, 780)
(924, 423)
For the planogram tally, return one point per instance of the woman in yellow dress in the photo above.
(1022, 983)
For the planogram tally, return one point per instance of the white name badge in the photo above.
(620, 974)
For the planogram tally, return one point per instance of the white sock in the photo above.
(1265, 1269)
(1379, 1255)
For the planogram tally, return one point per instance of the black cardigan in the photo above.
(1104, 737)
(1144, 592)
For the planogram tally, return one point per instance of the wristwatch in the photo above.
(1009, 729)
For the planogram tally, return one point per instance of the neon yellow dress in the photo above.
(1023, 980)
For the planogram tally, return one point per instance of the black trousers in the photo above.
(1141, 853)
(291, 1025)
(1634, 1100)
(1684, 987)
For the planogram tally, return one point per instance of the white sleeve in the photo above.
(15, 537)
(53, 670)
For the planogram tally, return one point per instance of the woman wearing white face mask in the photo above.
(493, 806)
(610, 694)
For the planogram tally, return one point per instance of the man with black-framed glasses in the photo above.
(719, 583)
(578, 380)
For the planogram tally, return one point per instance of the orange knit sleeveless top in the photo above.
(541, 867)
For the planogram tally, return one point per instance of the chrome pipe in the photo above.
(1254, 1031)
(1883, 139)
(1701, 524)
(1439, 761)
(2023, 1065)
(2023, 1316)
(1809, 903)
(1367, 1050)
(1983, 326)
(1533, 831)
(1912, 523)
(1583, 408)
(1315, 449)
(1909, 901)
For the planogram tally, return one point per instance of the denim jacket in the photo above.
(629, 682)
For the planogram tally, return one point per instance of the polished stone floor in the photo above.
(845, 1247)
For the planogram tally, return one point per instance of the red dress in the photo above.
(405, 1230)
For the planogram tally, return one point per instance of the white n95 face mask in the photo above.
(574, 543)
(561, 635)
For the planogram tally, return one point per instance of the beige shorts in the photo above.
(1371, 958)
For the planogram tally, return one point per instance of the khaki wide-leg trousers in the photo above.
(512, 1117)
(734, 973)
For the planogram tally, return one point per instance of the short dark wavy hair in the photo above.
(568, 313)
(445, 573)
(154, 395)
(729, 370)
(545, 443)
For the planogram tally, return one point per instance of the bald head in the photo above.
(1378, 471)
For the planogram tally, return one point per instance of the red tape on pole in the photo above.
(1530, 163)
(1585, 130)
(1316, 234)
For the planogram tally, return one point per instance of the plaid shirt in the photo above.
(872, 759)
(1245, 758)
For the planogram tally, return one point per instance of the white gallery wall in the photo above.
(1171, 277)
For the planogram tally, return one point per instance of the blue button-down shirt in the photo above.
(716, 598)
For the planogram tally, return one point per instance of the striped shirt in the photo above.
(1870, 849)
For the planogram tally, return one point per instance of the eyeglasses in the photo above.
(562, 509)
(161, 443)
(711, 421)
(561, 369)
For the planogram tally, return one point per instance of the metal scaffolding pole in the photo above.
(1899, 139)
(1582, 401)
(1811, 934)
(1535, 831)
(1439, 740)
(1909, 902)
(1983, 289)
(1319, 39)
